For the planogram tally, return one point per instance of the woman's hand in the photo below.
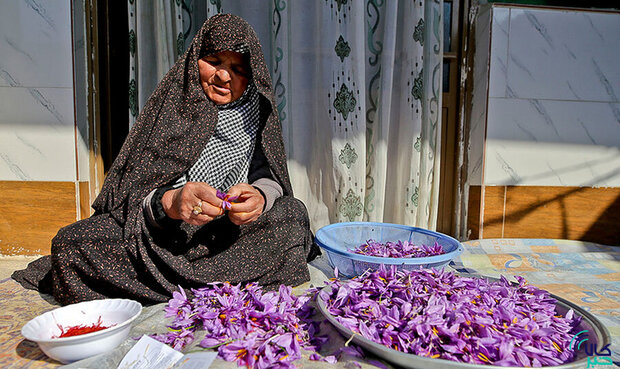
(248, 206)
(195, 203)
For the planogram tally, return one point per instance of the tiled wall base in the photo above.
(31, 212)
(573, 213)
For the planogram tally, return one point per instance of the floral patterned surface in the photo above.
(18, 307)
(586, 274)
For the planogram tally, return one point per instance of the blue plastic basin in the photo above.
(338, 238)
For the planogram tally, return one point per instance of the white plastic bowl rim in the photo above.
(134, 307)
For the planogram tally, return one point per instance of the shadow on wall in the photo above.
(609, 223)
(575, 213)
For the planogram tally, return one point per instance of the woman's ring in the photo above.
(197, 209)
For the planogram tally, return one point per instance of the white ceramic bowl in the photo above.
(117, 314)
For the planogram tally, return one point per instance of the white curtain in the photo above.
(358, 90)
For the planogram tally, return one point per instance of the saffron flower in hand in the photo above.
(226, 199)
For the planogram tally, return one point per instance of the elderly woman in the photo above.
(161, 220)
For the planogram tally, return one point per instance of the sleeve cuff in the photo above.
(154, 211)
(148, 210)
(270, 189)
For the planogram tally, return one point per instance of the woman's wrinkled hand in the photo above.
(195, 203)
(248, 206)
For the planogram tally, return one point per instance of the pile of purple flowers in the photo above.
(438, 314)
(245, 325)
(430, 313)
(400, 249)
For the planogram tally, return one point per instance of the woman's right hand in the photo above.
(180, 203)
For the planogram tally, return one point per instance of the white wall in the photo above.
(37, 130)
(553, 98)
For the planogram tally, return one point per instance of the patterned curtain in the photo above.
(357, 84)
(156, 39)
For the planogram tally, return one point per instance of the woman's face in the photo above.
(223, 76)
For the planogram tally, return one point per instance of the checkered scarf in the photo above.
(226, 158)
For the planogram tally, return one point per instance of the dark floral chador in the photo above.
(117, 253)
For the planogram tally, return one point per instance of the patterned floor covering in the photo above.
(586, 274)
(17, 307)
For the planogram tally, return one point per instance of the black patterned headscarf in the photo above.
(178, 120)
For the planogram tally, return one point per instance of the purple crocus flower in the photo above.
(431, 313)
(438, 314)
(226, 199)
(244, 324)
(399, 249)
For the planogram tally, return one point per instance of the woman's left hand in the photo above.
(248, 206)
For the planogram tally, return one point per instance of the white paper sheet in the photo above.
(149, 353)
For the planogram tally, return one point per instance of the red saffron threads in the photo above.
(77, 330)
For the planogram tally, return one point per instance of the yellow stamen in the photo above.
(557, 347)
(514, 321)
(482, 357)
(435, 356)
(489, 312)
(435, 331)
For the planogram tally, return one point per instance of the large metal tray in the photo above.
(598, 335)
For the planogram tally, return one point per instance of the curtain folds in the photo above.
(156, 40)
(357, 85)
